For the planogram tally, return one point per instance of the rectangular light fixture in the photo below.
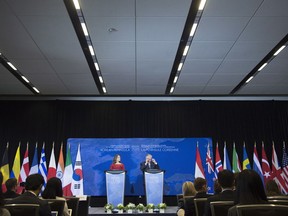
(171, 90)
(76, 4)
(91, 50)
(250, 78)
(193, 29)
(12, 66)
(279, 50)
(36, 89)
(96, 66)
(186, 50)
(202, 4)
(180, 66)
(84, 28)
(264, 65)
(104, 89)
(101, 79)
(25, 79)
(175, 79)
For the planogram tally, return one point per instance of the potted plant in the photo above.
(130, 207)
(150, 207)
(140, 207)
(108, 208)
(162, 207)
(120, 208)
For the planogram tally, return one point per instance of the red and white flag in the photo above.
(265, 166)
(52, 165)
(285, 165)
(25, 169)
(199, 171)
(277, 171)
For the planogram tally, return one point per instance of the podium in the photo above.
(154, 185)
(115, 186)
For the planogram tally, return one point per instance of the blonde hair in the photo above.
(188, 189)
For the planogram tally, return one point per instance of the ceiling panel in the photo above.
(11, 85)
(232, 37)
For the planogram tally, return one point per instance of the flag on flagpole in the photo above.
(16, 164)
(246, 163)
(256, 163)
(276, 171)
(34, 167)
(236, 167)
(199, 171)
(226, 164)
(68, 172)
(24, 172)
(5, 167)
(77, 180)
(265, 165)
(60, 166)
(209, 171)
(43, 165)
(52, 165)
(218, 162)
(285, 165)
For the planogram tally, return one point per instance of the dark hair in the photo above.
(115, 158)
(226, 179)
(11, 184)
(272, 188)
(53, 188)
(34, 182)
(199, 183)
(1, 194)
(249, 188)
(217, 187)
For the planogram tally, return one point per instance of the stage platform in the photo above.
(99, 211)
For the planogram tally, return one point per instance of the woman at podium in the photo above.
(116, 163)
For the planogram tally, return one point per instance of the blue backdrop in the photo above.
(174, 155)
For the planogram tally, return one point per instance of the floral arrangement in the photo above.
(108, 206)
(130, 206)
(162, 206)
(150, 206)
(140, 207)
(120, 206)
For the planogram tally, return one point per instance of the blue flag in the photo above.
(34, 166)
(226, 164)
(42, 165)
(209, 169)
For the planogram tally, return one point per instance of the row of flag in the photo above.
(72, 180)
(274, 172)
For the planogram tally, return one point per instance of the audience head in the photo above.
(53, 188)
(272, 188)
(1, 197)
(188, 189)
(217, 187)
(249, 188)
(34, 183)
(200, 184)
(116, 158)
(11, 184)
(226, 179)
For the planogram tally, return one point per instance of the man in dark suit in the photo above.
(149, 163)
(11, 185)
(200, 185)
(33, 187)
(227, 181)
